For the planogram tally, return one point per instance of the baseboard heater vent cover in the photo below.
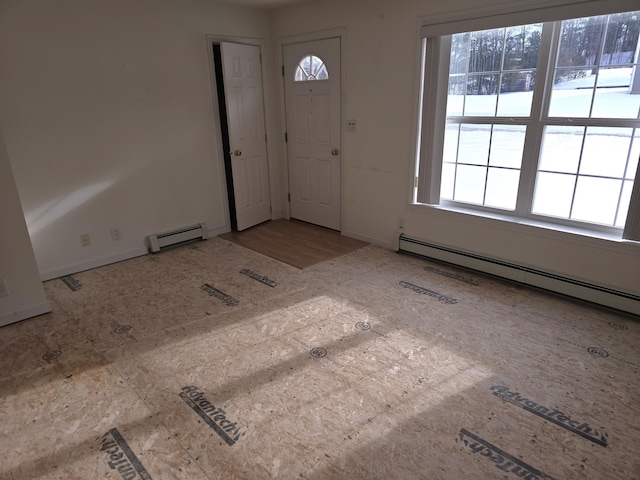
(173, 238)
(556, 283)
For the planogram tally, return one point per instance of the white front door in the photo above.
(245, 115)
(312, 103)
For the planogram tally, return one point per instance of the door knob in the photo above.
(335, 152)
(237, 153)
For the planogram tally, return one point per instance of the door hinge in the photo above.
(289, 197)
(415, 182)
(286, 137)
(283, 70)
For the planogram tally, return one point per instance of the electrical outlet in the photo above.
(85, 239)
(115, 234)
(400, 222)
(4, 291)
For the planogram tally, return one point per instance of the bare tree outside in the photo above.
(585, 172)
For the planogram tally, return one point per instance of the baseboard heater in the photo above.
(173, 238)
(568, 286)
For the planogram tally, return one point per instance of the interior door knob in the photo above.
(335, 152)
(237, 153)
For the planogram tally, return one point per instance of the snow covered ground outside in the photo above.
(586, 173)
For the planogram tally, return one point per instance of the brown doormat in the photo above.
(295, 243)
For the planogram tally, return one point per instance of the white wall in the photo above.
(380, 54)
(108, 117)
(17, 263)
(107, 114)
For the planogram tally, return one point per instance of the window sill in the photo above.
(529, 226)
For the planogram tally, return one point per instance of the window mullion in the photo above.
(539, 107)
(577, 175)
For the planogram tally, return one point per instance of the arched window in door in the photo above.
(311, 68)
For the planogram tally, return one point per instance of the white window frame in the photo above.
(434, 79)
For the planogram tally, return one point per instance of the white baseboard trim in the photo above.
(20, 315)
(109, 259)
(215, 231)
(378, 242)
(599, 294)
(98, 262)
(277, 215)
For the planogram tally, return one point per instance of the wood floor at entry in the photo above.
(295, 243)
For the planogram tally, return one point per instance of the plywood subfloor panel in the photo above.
(295, 243)
(211, 361)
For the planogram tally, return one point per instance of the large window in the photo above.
(540, 121)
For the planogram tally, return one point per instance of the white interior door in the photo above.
(245, 115)
(312, 103)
